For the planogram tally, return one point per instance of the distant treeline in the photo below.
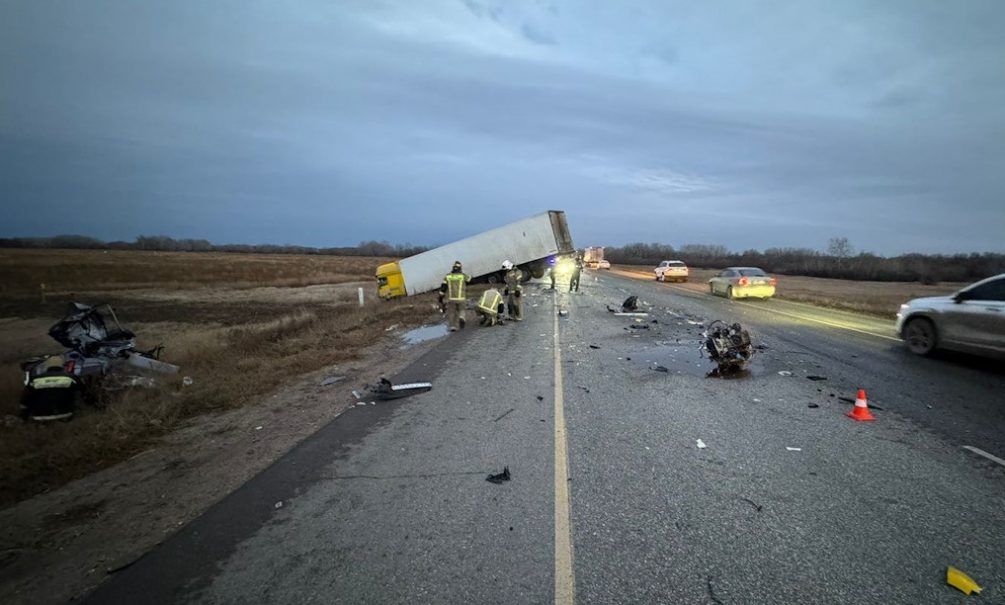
(838, 262)
(169, 244)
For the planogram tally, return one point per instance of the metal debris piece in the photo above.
(701, 444)
(332, 380)
(500, 477)
(816, 378)
(663, 369)
(785, 373)
(385, 390)
(727, 345)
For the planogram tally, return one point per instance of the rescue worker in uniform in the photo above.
(489, 307)
(514, 291)
(551, 272)
(452, 289)
(576, 270)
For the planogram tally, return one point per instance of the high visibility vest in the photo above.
(491, 299)
(513, 278)
(455, 286)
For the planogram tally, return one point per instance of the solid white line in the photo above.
(565, 581)
(981, 452)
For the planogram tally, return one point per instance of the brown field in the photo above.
(240, 326)
(882, 299)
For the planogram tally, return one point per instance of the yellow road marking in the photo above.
(832, 324)
(565, 580)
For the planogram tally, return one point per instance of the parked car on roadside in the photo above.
(743, 282)
(671, 270)
(604, 264)
(971, 320)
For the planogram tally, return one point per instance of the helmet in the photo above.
(457, 265)
(507, 265)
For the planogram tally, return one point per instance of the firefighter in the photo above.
(513, 291)
(551, 272)
(576, 270)
(452, 289)
(489, 307)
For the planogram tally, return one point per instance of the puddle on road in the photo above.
(423, 334)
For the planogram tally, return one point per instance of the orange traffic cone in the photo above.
(861, 409)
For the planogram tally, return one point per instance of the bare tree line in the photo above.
(839, 261)
(169, 244)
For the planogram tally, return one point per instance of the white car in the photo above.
(604, 264)
(671, 270)
(971, 320)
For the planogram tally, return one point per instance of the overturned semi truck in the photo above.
(532, 244)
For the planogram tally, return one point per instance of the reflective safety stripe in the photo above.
(490, 301)
(52, 382)
(455, 286)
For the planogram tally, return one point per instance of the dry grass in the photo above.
(875, 298)
(235, 354)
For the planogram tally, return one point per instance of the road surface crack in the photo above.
(711, 591)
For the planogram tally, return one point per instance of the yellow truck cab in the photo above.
(390, 282)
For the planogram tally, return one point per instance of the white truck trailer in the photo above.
(592, 256)
(532, 244)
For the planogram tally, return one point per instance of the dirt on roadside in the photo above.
(58, 546)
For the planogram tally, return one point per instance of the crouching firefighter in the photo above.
(452, 289)
(490, 307)
(514, 291)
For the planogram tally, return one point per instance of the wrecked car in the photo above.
(100, 354)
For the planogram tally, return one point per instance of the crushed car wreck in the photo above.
(100, 355)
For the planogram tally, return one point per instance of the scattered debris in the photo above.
(756, 506)
(594, 347)
(356, 395)
(662, 369)
(390, 327)
(499, 478)
(563, 312)
(279, 504)
(585, 389)
(526, 377)
(639, 327)
(540, 398)
(631, 304)
(701, 444)
(816, 378)
(384, 390)
(756, 400)
(187, 381)
(258, 428)
(503, 415)
(794, 449)
(961, 581)
(813, 405)
(785, 373)
(331, 380)
(727, 345)
(761, 347)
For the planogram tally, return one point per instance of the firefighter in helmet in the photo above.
(514, 290)
(453, 296)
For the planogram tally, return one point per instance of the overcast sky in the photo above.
(325, 122)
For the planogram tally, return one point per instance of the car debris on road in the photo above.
(386, 390)
(728, 345)
(499, 477)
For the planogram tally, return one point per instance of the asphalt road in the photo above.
(389, 503)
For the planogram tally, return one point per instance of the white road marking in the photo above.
(779, 312)
(981, 452)
(565, 580)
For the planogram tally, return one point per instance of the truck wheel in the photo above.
(526, 275)
(920, 336)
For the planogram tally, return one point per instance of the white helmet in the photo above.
(507, 265)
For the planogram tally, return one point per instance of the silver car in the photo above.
(743, 282)
(972, 320)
